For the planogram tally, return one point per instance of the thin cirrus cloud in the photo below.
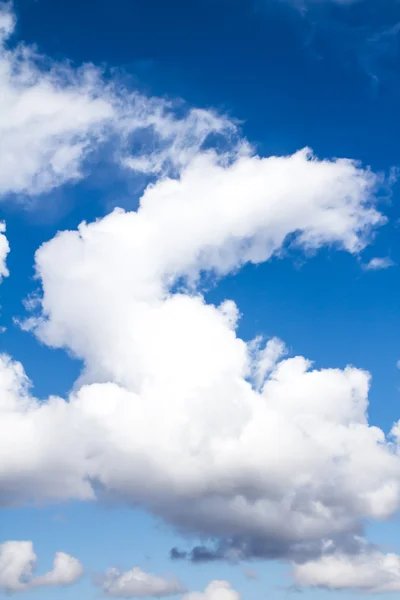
(173, 411)
(360, 35)
(17, 560)
(304, 4)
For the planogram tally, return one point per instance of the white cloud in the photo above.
(216, 590)
(184, 140)
(164, 415)
(376, 264)
(7, 21)
(214, 218)
(371, 572)
(4, 250)
(138, 584)
(173, 411)
(17, 561)
(66, 570)
(52, 117)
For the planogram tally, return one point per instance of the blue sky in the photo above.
(129, 314)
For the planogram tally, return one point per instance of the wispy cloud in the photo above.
(377, 264)
(54, 117)
(361, 34)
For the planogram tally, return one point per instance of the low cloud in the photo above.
(136, 583)
(371, 572)
(17, 561)
(216, 590)
(224, 438)
(173, 410)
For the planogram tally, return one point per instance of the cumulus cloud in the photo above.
(371, 572)
(377, 264)
(52, 117)
(17, 561)
(223, 438)
(175, 412)
(66, 570)
(216, 590)
(136, 583)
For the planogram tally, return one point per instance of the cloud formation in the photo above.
(54, 117)
(377, 264)
(227, 439)
(372, 572)
(4, 250)
(136, 583)
(173, 410)
(17, 561)
(216, 590)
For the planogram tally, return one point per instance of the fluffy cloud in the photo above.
(66, 570)
(226, 439)
(17, 560)
(52, 117)
(222, 438)
(216, 590)
(371, 572)
(4, 250)
(176, 413)
(138, 584)
(214, 218)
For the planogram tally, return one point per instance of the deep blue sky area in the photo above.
(325, 77)
(317, 73)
